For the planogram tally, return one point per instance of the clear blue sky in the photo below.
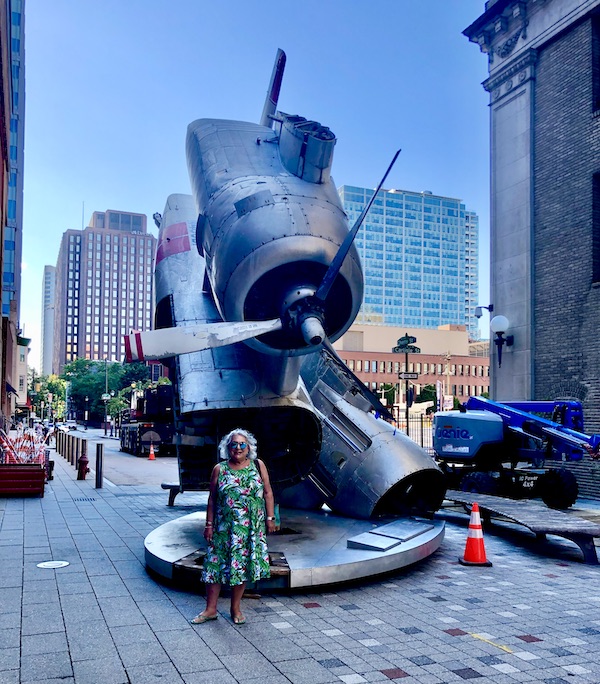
(111, 87)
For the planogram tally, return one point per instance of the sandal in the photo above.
(238, 619)
(201, 619)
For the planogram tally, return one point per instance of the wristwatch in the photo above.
(270, 517)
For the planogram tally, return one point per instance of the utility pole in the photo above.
(406, 344)
(448, 358)
(106, 395)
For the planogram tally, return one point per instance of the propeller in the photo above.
(338, 259)
(306, 314)
(165, 342)
(309, 311)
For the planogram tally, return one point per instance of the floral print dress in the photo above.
(238, 550)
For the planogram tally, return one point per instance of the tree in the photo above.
(427, 393)
(46, 394)
(91, 379)
(388, 392)
(135, 372)
(57, 388)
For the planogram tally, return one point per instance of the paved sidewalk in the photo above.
(102, 619)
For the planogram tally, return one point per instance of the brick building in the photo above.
(104, 287)
(445, 357)
(544, 85)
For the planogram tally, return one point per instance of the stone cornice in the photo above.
(522, 68)
(492, 27)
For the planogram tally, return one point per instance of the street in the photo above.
(120, 468)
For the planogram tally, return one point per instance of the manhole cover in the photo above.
(52, 565)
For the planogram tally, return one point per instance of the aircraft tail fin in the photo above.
(274, 87)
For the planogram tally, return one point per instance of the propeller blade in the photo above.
(160, 344)
(342, 252)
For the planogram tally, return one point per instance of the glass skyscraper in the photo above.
(13, 232)
(420, 257)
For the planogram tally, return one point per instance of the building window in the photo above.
(596, 63)
(596, 229)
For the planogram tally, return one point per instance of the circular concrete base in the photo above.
(312, 549)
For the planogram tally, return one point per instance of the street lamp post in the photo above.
(106, 395)
(86, 412)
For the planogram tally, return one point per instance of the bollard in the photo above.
(76, 452)
(99, 460)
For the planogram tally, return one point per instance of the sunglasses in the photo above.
(237, 445)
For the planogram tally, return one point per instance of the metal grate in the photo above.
(128, 494)
(84, 499)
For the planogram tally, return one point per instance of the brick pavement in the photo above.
(102, 619)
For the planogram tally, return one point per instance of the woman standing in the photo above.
(239, 493)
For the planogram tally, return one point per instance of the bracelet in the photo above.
(208, 524)
(270, 517)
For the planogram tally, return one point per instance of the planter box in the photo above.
(22, 479)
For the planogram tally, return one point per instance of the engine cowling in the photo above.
(268, 236)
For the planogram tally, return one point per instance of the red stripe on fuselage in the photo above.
(138, 345)
(173, 240)
(128, 355)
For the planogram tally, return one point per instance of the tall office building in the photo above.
(104, 287)
(13, 232)
(420, 257)
(48, 293)
(12, 105)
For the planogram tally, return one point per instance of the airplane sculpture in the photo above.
(256, 276)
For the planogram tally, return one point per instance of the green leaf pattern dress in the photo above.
(238, 550)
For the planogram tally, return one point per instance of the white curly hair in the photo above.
(248, 436)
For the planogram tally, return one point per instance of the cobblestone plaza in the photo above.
(532, 617)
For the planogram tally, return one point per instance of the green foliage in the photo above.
(427, 393)
(92, 379)
(46, 394)
(84, 378)
(135, 372)
(389, 393)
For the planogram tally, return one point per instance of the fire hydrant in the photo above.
(82, 467)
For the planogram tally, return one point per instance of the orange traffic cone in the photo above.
(151, 456)
(475, 549)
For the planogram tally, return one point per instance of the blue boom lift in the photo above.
(500, 449)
